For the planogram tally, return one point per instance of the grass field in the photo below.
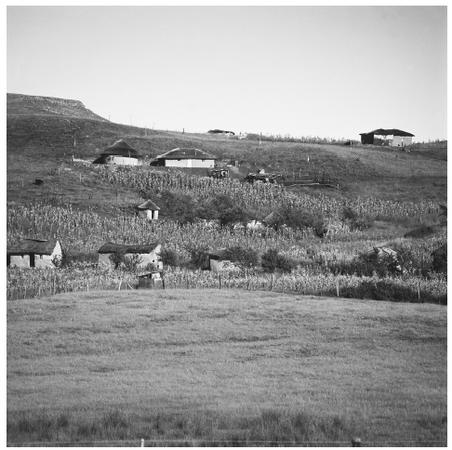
(205, 365)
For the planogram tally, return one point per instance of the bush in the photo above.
(272, 261)
(247, 258)
(297, 219)
(178, 207)
(170, 258)
(223, 208)
(199, 258)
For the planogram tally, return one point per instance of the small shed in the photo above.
(149, 209)
(35, 253)
(120, 153)
(145, 255)
(391, 136)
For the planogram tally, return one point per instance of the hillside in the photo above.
(220, 363)
(43, 133)
(37, 105)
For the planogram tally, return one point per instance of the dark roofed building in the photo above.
(149, 254)
(186, 157)
(221, 132)
(120, 153)
(389, 136)
(150, 209)
(35, 253)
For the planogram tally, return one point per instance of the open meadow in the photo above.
(207, 365)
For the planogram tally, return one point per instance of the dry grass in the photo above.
(348, 367)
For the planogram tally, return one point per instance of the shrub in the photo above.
(297, 219)
(199, 258)
(170, 258)
(272, 261)
(245, 257)
(178, 207)
(223, 208)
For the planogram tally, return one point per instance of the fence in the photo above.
(139, 442)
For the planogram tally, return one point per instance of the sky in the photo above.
(330, 71)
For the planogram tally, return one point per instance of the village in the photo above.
(226, 226)
(146, 258)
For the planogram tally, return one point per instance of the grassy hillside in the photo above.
(42, 137)
(225, 365)
(28, 104)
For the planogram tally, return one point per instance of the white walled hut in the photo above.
(186, 158)
(120, 153)
(148, 254)
(35, 253)
(392, 137)
(149, 209)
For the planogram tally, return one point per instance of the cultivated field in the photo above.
(245, 367)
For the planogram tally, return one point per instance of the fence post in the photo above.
(337, 287)
(419, 290)
(142, 442)
(271, 282)
(163, 283)
(219, 281)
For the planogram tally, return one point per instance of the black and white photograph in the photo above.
(226, 226)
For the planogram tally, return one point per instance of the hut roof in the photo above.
(121, 148)
(111, 247)
(186, 153)
(148, 204)
(388, 132)
(37, 246)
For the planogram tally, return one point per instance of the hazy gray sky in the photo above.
(326, 71)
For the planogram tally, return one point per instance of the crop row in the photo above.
(260, 197)
(23, 283)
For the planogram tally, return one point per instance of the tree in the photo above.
(178, 207)
(223, 208)
(199, 257)
(297, 219)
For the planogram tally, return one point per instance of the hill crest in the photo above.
(21, 104)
